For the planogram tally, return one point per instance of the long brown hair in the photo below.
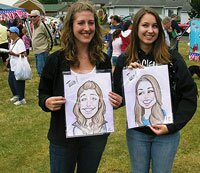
(160, 49)
(157, 116)
(68, 40)
(98, 118)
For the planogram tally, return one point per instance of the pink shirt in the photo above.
(26, 41)
(116, 44)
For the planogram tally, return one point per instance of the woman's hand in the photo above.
(115, 99)
(55, 103)
(135, 65)
(159, 129)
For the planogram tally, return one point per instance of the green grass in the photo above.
(23, 131)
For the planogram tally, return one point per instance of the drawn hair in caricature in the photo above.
(148, 104)
(89, 110)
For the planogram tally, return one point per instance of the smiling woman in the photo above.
(82, 53)
(156, 144)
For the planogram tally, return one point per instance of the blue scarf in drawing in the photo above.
(146, 122)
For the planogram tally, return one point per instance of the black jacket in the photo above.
(183, 89)
(51, 84)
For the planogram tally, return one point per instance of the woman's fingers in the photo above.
(115, 99)
(135, 65)
(159, 129)
(55, 103)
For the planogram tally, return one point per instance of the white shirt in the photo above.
(89, 72)
(17, 48)
(167, 40)
(116, 44)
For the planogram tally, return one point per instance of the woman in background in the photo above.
(16, 49)
(26, 40)
(116, 45)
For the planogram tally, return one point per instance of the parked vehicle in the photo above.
(184, 27)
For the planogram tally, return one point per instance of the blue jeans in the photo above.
(160, 150)
(84, 153)
(114, 60)
(40, 60)
(17, 86)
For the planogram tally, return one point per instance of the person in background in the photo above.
(16, 48)
(18, 23)
(115, 24)
(116, 45)
(102, 16)
(41, 40)
(82, 53)
(166, 22)
(126, 34)
(156, 144)
(60, 27)
(176, 32)
(26, 40)
(3, 44)
(61, 24)
(54, 32)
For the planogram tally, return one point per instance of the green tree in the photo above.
(195, 11)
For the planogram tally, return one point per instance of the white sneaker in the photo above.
(14, 99)
(21, 102)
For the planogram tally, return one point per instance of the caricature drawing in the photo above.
(89, 110)
(148, 102)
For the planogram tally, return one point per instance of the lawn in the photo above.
(23, 134)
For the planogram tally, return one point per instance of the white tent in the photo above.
(30, 5)
(8, 2)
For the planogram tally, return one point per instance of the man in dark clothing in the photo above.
(176, 32)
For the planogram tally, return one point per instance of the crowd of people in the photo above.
(141, 42)
(15, 38)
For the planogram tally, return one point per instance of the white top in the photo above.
(116, 44)
(90, 72)
(17, 48)
(167, 40)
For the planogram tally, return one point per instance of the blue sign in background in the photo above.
(195, 40)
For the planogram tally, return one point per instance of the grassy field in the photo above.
(23, 131)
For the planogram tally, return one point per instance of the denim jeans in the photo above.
(159, 150)
(40, 60)
(84, 153)
(114, 60)
(17, 86)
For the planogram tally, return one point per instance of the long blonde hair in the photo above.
(68, 39)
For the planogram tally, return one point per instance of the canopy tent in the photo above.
(30, 5)
(9, 13)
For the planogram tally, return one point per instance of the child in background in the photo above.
(126, 35)
(116, 44)
(26, 40)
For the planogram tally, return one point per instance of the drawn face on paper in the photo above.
(146, 94)
(89, 101)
